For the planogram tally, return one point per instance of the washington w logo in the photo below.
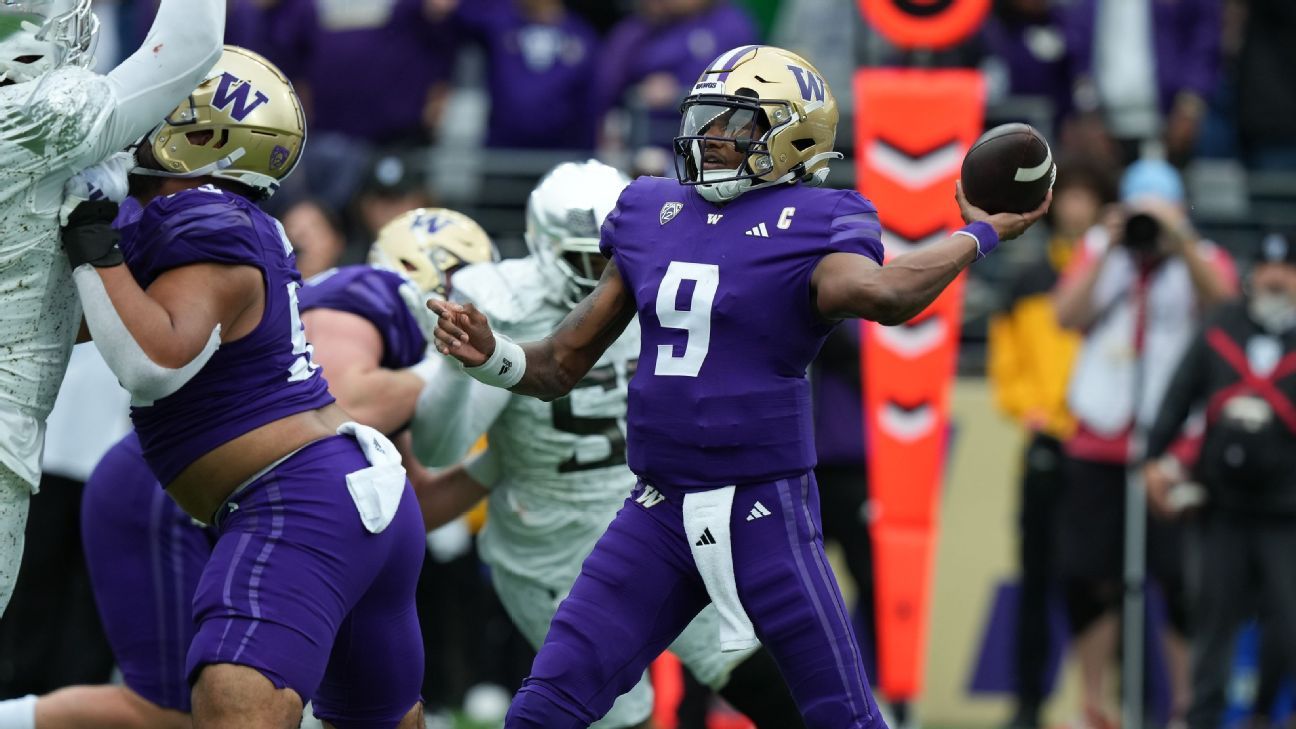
(233, 92)
(650, 497)
(431, 223)
(812, 87)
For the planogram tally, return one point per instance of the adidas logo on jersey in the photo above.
(759, 231)
(649, 498)
(706, 538)
(758, 511)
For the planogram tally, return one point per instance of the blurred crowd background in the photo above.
(1181, 110)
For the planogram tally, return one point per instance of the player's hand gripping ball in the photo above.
(1010, 169)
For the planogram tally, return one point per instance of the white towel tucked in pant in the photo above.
(706, 522)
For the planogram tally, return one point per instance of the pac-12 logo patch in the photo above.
(669, 211)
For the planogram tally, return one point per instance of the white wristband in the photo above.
(504, 368)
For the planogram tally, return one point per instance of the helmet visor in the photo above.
(722, 133)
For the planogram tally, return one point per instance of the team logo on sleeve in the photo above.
(669, 211)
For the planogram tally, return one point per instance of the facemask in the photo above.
(1274, 312)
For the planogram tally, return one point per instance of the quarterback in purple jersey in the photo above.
(309, 592)
(737, 271)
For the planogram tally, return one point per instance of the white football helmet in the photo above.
(37, 36)
(564, 214)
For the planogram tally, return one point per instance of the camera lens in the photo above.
(1141, 232)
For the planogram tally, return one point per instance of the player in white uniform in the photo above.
(56, 119)
(555, 473)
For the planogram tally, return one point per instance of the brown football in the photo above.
(1008, 170)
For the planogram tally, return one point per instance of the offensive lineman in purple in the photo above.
(245, 384)
(737, 271)
(202, 326)
(373, 294)
(145, 555)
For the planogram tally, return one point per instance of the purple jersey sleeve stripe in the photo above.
(846, 236)
(873, 229)
(857, 218)
(729, 61)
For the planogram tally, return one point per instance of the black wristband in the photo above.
(89, 236)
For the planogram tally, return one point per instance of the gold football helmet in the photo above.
(427, 245)
(771, 105)
(40, 35)
(244, 124)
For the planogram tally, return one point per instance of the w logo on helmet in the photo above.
(431, 223)
(812, 87)
(232, 96)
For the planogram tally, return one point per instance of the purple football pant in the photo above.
(639, 588)
(299, 590)
(144, 557)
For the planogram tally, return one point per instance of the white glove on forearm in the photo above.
(107, 180)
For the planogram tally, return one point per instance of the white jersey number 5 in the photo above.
(696, 319)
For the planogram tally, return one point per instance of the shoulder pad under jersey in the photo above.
(199, 225)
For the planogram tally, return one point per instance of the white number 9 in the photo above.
(696, 320)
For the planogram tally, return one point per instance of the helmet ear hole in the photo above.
(200, 139)
(803, 144)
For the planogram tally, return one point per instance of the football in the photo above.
(1008, 170)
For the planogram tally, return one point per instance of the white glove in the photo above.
(106, 180)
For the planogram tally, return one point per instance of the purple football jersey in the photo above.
(260, 378)
(372, 294)
(729, 328)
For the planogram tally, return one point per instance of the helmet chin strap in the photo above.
(204, 171)
(819, 177)
(725, 189)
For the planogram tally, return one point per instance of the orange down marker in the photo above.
(912, 129)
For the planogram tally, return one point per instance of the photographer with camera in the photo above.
(1241, 368)
(1137, 291)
